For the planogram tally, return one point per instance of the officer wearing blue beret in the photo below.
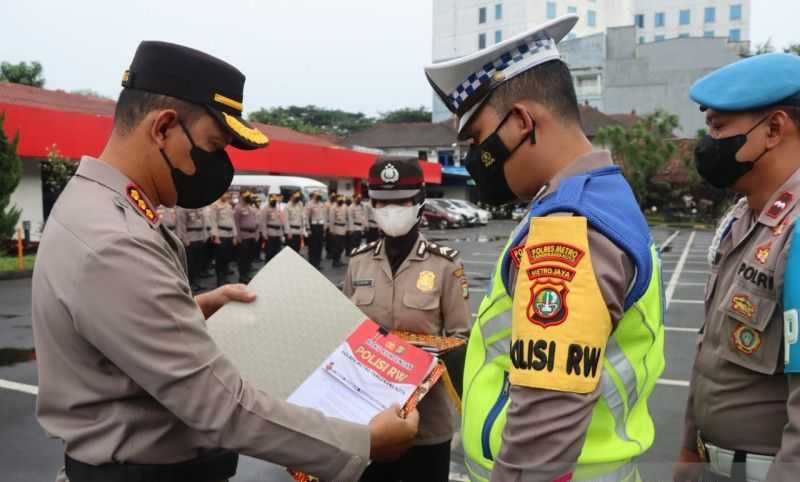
(743, 414)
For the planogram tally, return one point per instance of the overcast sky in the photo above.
(357, 55)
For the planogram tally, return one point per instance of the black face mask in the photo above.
(485, 161)
(273, 203)
(212, 176)
(715, 159)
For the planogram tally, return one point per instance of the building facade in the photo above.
(658, 20)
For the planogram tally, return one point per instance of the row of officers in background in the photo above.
(242, 231)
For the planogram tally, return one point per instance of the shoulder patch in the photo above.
(138, 200)
(442, 251)
(363, 249)
(560, 322)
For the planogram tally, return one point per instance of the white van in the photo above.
(283, 185)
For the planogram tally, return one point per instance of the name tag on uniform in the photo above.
(363, 283)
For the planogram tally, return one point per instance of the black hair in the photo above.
(548, 84)
(133, 105)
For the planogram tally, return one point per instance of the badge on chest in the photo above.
(426, 282)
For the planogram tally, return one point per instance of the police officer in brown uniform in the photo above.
(373, 232)
(337, 227)
(272, 228)
(317, 216)
(743, 414)
(247, 229)
(357, 218)
(294, 214)
(192, 231)
(129, 378)
(405, 282)
(223, 235)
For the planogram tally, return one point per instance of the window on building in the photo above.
(659, 38)
(446, 158)
(659, 19)
(683, 35)
(710, 15)
(551, 9)
(572, 9)
(639, 21)
(641, 40)
(708, 33)
(736, 12)
(685, 17)
(498, 11)
(591, 18)
(735, 35)
(481, 41)
(482, 15)
(498, 36)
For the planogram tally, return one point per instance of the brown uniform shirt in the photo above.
(740, 399)
(220, 216)
(337, 220)
(271, 222)
(295, 218)
(428, 294)
(247, 221)
(316, 213)
(127, 370)
(191, 225)
(357, 217)
(545, 429)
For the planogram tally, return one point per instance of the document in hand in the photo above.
(366, 374)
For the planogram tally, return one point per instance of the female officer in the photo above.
(404, 282)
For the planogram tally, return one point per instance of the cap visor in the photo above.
(245, 136)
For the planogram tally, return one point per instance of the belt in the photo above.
(357, 224)
(225, 229)
(295, 226)
(318, 223)
(212, 467)
(249, 230)
(274, 226)
(339, 224)
(194, 229)
(748, 467)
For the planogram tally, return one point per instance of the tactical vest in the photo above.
(621, 427)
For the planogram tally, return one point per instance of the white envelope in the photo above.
(297, 320)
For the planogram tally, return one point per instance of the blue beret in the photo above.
(749, 84)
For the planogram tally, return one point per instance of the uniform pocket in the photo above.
(750, 336)
(421, 301)
(363, 296)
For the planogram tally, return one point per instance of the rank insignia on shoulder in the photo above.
(442, 251)
(780, 204)
(138, 200)
(363, 249)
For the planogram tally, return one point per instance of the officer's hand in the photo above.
(688, 468)
(235, 242)
(210, 302)
(216, 240)
(390, 435)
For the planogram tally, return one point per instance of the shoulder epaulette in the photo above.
(363, 249)
(443, 251)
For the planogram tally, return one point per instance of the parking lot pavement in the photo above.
(32, 457)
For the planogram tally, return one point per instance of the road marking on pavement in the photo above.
(666, 242)
(19, 387)
(477, 290)
(681, 329)
(688, 302)
(690, 283)
(672, 383)
(690, 271)
(471, 261)
(673, 281)
(493, 255)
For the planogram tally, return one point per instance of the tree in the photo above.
(57, 170)
(793, 49)
(642, 151)
(10, 175)
(90, 93)
(406, 114)
(313, 119)
(22, 73)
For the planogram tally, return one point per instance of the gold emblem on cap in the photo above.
(498, 77)
(426, 281)
(251, 134)
(487, 159)
(125, 76)
(228, 102)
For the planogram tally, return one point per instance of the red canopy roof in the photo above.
(80, 125)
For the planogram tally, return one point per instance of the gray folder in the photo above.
(297, 320)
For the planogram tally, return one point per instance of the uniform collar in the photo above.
(588, 162)
(108, 176)
(419, 253)
(781, 202)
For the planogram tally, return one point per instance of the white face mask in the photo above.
(396, 220)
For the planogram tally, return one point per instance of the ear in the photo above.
(778, 127)
(525, 120)
(160, 122)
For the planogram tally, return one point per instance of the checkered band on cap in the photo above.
(458, 97)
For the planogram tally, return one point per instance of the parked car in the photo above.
(519, 212)
(483, 215)
(437, 217)
(469, 218)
